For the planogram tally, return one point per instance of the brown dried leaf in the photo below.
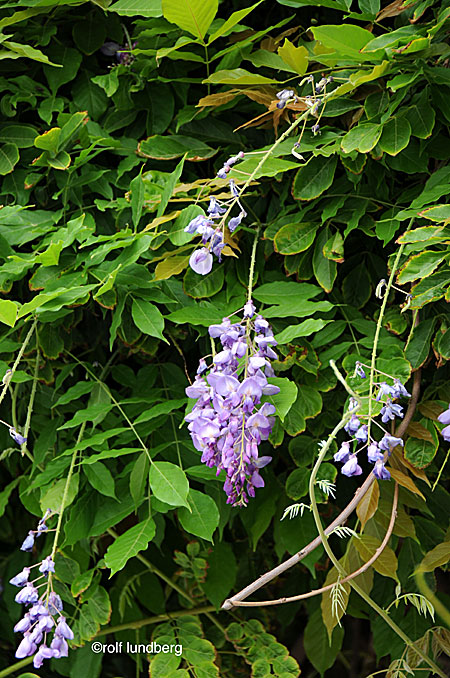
(405, 481)
(416, 430)
(394, 9)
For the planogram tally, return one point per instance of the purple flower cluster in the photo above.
(44, 610)
(360, 439)
(201, 260)
(228, 422)
(444, 418)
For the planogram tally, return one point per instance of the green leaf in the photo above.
(361, 138)
(234, 19)
(287, 396)
(419, 346)
(319, 651)
(89, 35)
(88, 414)
(139, 479)
(420, 452)
(99, 606)
(314, 178)
(193, 16)
(295, 57)
(131, 8)
(438, 556)
(9, 156)
(395, 136)
(436, 213)
(205, 286)
(28, 52)
(308, 404)
(170, 186)
(303, 329)
(137, 187)
(166, 407)
(21, 135)
(221, 573)
(294, 238)
(169, 483)
(174, 146)
(324, 269)
(129, 544)
(238, 76)
(100, 478)
(148, 318)
(297, 484)
(345, 40)
(8, 312)
(293, 292)
(203, 517)
(430, 289)
(420, 266)
(52, 497)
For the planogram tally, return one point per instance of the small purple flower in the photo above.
(387, 443)
(59, 647)
(351, 467)
(22, 578)
(235, 221)
(23, 625)
(201, 261)
(28, 542)
(380, 471)
(64, 629)
(361, 434)
(444, 417)
(374, 454)
(390, 411)
(249, 309)
(315, 129)
(445, 433)
(19, 439)
(26, 648)
(47, 565)
(400, 390)
(343, 453)
(353, 425)
(44, 652)
(55, 603)
(385, 389)
(359, 371)
(29, 594)
(285, 94)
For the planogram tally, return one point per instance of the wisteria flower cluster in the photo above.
(44, 615)
(359, 432)
(228, 421)
(201, 260)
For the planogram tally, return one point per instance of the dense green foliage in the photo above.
(103, 164)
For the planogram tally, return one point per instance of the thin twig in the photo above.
(353, 575)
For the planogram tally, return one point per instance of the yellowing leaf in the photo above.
(295, 57)
(438, 556)
(386, 564)
(369, 503)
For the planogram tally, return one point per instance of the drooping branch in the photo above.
(341, 518)
(353, 575)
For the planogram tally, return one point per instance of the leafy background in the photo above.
(102, 165)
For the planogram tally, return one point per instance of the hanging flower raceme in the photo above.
(201, 260)
(44, 615)
(228, 421)
(359, 432)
